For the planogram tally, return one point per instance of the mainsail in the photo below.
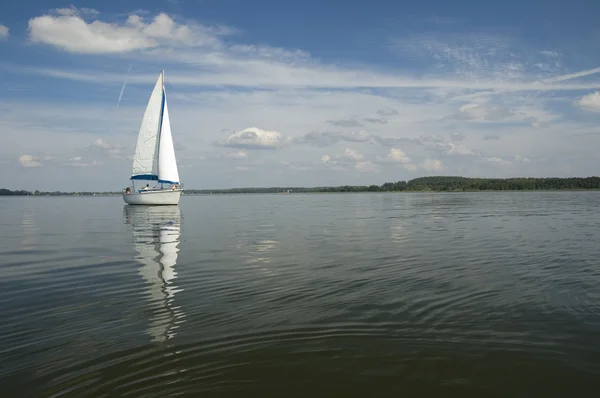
(154, 157)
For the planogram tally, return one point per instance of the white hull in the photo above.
(163, 197)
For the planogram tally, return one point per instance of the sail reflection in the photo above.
(156, 231)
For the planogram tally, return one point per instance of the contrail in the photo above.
(123, 88)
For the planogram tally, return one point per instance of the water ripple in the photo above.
(419, 294)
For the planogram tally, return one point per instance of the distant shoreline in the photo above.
(421, 184)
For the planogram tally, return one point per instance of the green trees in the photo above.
(437, 183)
(500, 184)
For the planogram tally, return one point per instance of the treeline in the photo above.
(496, 184)
(441, 183)
(8, 192)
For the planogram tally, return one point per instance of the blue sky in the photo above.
(308, 93)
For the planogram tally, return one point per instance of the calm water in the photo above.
(480, 294)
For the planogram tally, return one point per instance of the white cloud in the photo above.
(550, 53)
(326, 159)
(395, 156)
(498, 161)
(29, 161)
(255, 138)
(99, 143)
(476, 61)
(237, 154)
(330, 138)
(590, 102)
(522, 159)
(113, 151)
(481, 112)
(455, 149)
(484, 111)
(4, 32)
(367, 167)
(398, 155)
(432, 165)
(353, 155)
(78, 161)
(74, 11)
(350, 157)
(228, 71)
(69, 31)
(359, 115)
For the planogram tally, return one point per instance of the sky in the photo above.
(312, 93)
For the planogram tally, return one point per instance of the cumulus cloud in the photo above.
(113, 151)
(432, 165)
(255, 138)
(100, 143)
(450, 148)
(367, 167)
(29, 161)
(4, 32)
(590, 102)
(282, 87)
(328, 160)
(350, 157)
(497, 160)
(353, 155)
(68, 30)
(395, 156)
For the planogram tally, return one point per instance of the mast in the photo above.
(160, 120)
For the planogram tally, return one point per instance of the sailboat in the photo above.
(154, 158)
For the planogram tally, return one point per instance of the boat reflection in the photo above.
(156, 231)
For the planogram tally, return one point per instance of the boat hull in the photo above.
(156, 198)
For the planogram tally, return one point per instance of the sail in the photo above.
(145, 165)
(167, 164)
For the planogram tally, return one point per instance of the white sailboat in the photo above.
(154, 159)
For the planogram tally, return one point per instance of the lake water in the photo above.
(408, 294)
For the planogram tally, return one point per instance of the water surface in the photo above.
(408, 294)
